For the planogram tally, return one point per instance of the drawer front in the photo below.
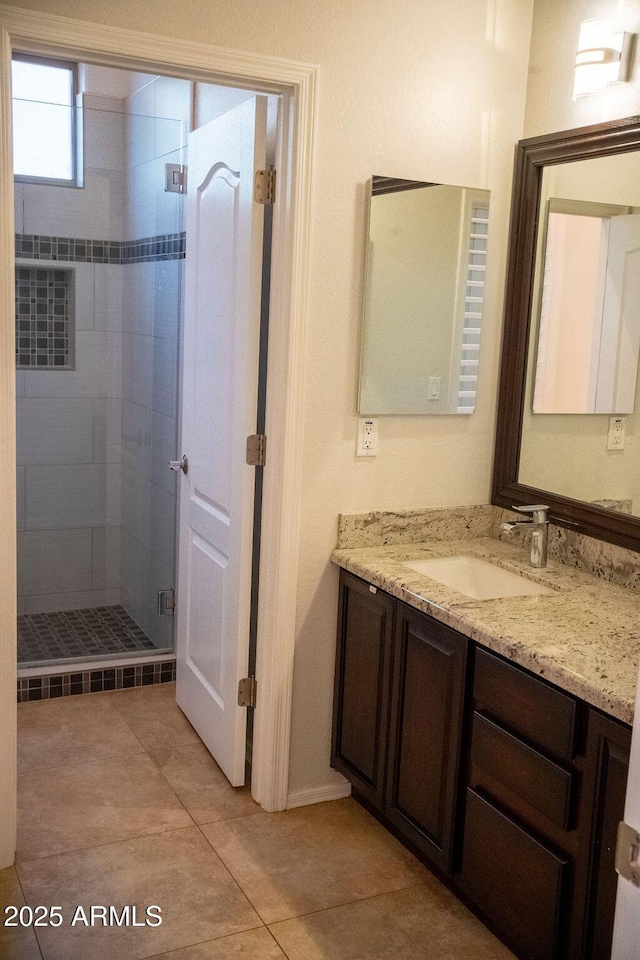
(513, 879)
(537, 780)
(526, 705)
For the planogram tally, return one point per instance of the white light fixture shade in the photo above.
(603, 57)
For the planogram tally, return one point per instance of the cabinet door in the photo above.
(426, 711)
(361, 694)
(608, 747)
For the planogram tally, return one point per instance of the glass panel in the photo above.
(97, 502)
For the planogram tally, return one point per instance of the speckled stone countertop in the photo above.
(584, 638)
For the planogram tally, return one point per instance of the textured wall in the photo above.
(425, 90)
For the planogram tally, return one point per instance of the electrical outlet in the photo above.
(367, 442)
(615, 436)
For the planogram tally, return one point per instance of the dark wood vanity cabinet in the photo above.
(361, 693)
(509, 785)
(397, 722)
(546, 781)
(425, 732)
(523, 807)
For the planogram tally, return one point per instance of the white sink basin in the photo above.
(478, 578)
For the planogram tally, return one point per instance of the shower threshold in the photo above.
(70, 636)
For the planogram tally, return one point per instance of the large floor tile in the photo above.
(16, 943)
(201, 785)
(252, 945)
(83, 805)
(52, 733)
(154, 716)
(178, 871)
(423, 923)
(311, 858)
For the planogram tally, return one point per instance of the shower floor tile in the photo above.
(98, 631)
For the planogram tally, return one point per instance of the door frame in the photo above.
(33, 31)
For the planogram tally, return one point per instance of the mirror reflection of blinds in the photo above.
(474, 296)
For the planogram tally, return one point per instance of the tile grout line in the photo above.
(97, 846)
(347, 903)
(245, 895)
(199, 943)
(24, 897)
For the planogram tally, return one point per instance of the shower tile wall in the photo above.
(96, 500)
(156, 125)
(68, 421)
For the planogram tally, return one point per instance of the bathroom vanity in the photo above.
(492, 736)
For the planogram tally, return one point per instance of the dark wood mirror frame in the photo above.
(532, 156)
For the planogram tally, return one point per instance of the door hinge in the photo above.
(265, 186)
(247, 688)
(257, 450)
(175, 178)
(628, 853)
(166, 602)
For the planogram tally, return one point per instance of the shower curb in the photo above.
(54, 685)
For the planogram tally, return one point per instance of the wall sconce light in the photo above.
(603, 57)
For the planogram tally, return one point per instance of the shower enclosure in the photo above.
(99, 273)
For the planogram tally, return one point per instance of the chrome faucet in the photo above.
(539, 524)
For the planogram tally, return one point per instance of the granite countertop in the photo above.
(585, 637)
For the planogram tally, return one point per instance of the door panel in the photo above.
(429, 664)
(220, 375)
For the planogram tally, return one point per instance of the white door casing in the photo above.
(36, 32)
(223, 276)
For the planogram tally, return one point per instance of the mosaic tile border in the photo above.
(95, 681)
(168, 246)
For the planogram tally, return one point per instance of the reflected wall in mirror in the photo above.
(572, 331)
(588, 301)
(424, 289)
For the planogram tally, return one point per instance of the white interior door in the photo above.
(620, 340)
(220, 375)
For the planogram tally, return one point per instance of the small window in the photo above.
(44, 120)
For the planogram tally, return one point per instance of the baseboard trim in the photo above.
(331, 791)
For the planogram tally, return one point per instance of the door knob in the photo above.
(179, 465)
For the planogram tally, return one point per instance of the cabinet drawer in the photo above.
(528, 706)
(514, 879)
(537, 780)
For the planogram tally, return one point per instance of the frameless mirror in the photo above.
(571, 344)
(424, 290)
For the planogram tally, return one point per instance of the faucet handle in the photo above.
(539, 511)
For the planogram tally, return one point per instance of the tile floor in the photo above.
(120, 804)
(97, 631)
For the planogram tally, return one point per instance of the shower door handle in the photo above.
(179, 465)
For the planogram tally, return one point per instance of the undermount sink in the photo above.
(478, 578)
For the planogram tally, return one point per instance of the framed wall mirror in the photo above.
(571, 342)
(426, 256)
